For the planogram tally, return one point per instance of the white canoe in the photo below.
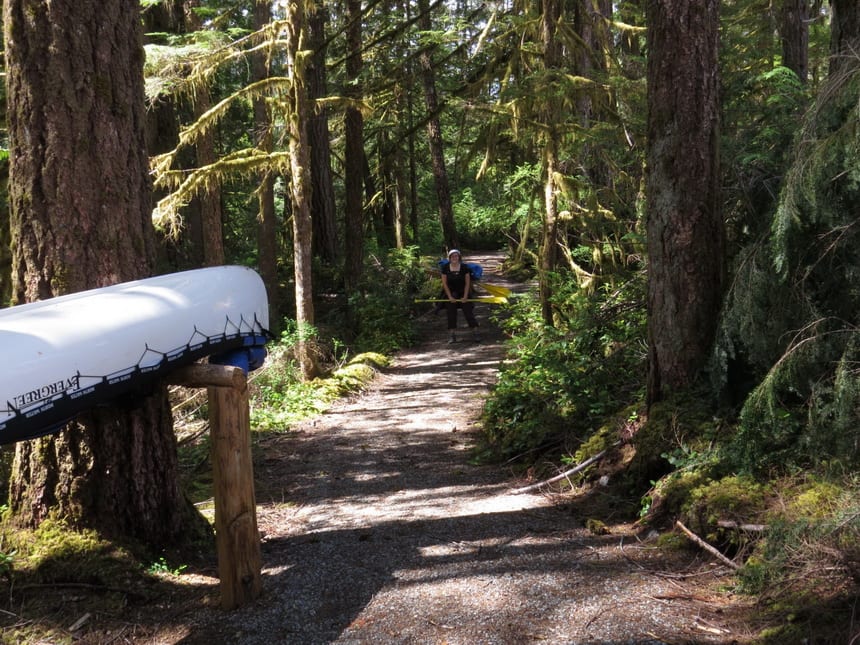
(70, 353)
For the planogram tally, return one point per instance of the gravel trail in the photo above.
(377, 529)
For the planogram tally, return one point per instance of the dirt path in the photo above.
(376, 529)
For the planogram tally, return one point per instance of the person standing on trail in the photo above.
(457, 283)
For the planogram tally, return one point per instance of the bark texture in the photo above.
(353, 154)
(434, 136)
(685, 232)
(267, 224)
(80, 212)
(300, 184)
(550, 15)
(79, 182)
(844, 32)
(795, 37)
(324, 209)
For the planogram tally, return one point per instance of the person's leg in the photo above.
(452, 319)
(469, 314)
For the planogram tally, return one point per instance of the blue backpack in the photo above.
(476, 269)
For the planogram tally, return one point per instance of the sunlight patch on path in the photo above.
(437, 503)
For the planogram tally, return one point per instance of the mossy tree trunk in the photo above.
(5, 235)
(300, 186)
(552, 54)
(684, 224)
(267, 223)
(80, 209)
(434, 134)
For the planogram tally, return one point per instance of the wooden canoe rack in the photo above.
(236, 535)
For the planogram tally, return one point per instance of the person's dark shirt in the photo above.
(457, 279)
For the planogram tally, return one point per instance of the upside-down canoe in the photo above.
(71, 353)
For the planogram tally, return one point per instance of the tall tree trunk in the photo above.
(795, 37)
(399, 191)
(267, 223)
(353, 153)
(684, 228)
(434, 135)
(5, 234)
(387, 234)
(844, 32)
(209, 203)
(408, 108)
(162, 118)
(376, 207)
(81, 219)
(550, 14)
(413, 167)
(300, 187)
(323, 202)
(549, 245)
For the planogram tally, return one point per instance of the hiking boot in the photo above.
(476, 336)
(453, 339)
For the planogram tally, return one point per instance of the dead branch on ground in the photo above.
(707, 547)
(567, 473)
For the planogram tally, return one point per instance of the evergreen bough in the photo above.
(790, 324)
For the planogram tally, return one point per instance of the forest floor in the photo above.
(377, 528)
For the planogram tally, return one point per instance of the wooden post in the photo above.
(236, 536)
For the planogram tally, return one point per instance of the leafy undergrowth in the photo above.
(564, 384)
(280, 399)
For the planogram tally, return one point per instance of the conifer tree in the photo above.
(300, 184)
(434, 134)
(353, 151)
(80, 207)
(685, 229)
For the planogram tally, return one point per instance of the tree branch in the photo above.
(567, 473)
(707, 547)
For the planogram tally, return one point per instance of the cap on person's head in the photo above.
(452, 252)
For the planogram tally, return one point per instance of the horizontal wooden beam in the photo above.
(207, 375)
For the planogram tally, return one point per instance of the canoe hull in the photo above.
(70, 353)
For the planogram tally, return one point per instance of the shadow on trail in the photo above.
(327, 579)
(373, 511)
(319, 586)
(367, 540)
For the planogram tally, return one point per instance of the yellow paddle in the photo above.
(495, 290)
(493, 300)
